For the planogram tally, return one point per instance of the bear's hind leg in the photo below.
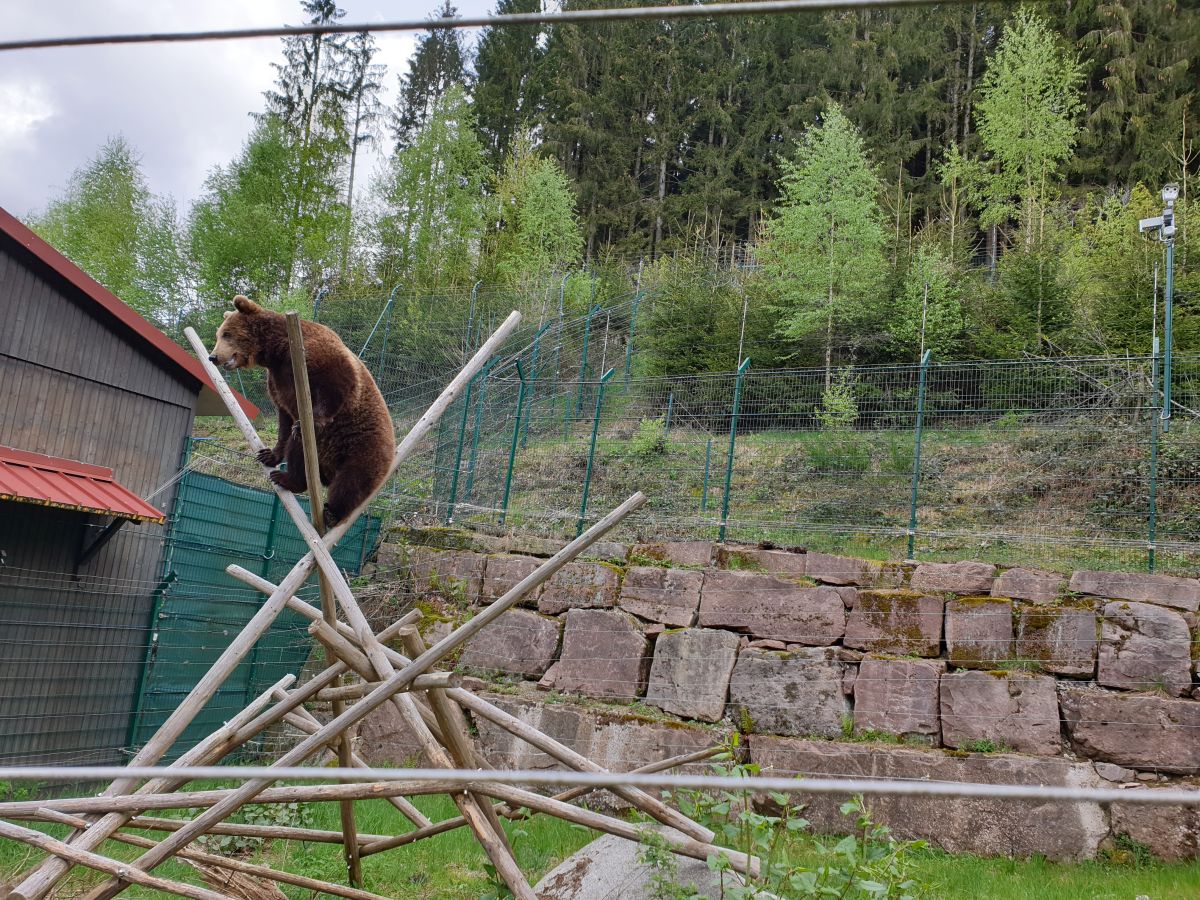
(295, 478)
(347, 489)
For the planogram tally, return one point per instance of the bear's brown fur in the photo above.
(355, 437)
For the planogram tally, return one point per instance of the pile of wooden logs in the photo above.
(364, 670)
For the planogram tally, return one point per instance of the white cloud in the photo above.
(23, 106)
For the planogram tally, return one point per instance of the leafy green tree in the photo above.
(505, 94)
(109, 223)
(431, 201)
(533, 209)
(928, 313)
(1027, 116)
(823, 246)
(436, 66)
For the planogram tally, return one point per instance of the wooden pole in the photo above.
(312, 474)
(225, 862)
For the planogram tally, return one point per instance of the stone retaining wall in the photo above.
(838, 666)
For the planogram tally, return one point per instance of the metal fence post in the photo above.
(480, 400)
(1168, 313)
(637, 299)
(387, 308)
(587, 333)
(462, 431)
(587, 477)
(471, 318)
(512, 450)
(670, 407)
(1156, 417)
(733, 423)
(916, 471)
(707, 462)
(533, 373)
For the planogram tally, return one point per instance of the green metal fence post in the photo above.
(916, 471)
(733, 423)
(462, 431)
(637, 299)
(670, 407)
(471, 318)
(479, 403)
(533, 373)
(587, 477)
(1156, 414)
(160, 591)
(1169, 317)
(587, 333)
(386, 311)
(512, 450)
(707, 462)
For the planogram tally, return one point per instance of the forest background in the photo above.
(819, 189)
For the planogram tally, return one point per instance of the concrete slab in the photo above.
(609, 869)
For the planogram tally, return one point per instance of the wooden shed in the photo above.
(95, 407)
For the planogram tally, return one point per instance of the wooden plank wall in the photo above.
(72, 385)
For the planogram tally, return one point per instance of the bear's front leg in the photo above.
(295, 478)
(274, 456)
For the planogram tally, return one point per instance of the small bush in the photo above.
(650, 441)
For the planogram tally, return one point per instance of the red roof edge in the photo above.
(126, 316)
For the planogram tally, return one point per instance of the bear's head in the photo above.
(238, 342)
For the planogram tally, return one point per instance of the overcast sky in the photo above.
(184, 107)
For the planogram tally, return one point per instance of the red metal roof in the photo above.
(137, 327)
(66, 484)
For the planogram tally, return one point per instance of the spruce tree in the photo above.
(505, 94)
(435, 67)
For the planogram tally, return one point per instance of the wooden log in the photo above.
(263, 832)
(454, 727)
(357, 691)
(308, 793)
(312, 473)
(370, 847)
(73, 855)
(225, 862)
(684, 846)
(38, 882)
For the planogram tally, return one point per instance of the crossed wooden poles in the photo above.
(430, 703)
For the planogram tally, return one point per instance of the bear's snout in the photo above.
(212, 358)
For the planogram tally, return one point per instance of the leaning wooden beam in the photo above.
(37, 883)
(396, 682)
(225, 862)
(264, 832)
(432, 681)
(684, 846)
(73, 855)
(312, 472)
(370, 847)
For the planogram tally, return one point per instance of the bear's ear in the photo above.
(228, 313)
(245, 306)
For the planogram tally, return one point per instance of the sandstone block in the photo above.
(1015, 710)
(1033, 585)
(773, 562)
(899, 696)
(604, 655)
(690, 673)
(670, 596)
(502, 573)
(790, 693)
(829, 569)
(956, 578)
(1165, 590)
(677, 553)
(520, 642)
(990, 827)
(979, 632)
(771, 608)
(895, 621)
(1144, 647)
(1061, 638)
(1171, 832)
(1140, 731)
(454, 574)
(579, 585)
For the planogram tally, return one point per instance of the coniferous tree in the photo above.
(436, 66)
(823, 246)
(505, 91)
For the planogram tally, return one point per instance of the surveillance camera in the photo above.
(1170, 193)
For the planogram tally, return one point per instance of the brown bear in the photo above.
(355, 437)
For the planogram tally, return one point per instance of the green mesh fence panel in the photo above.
(218, 522)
